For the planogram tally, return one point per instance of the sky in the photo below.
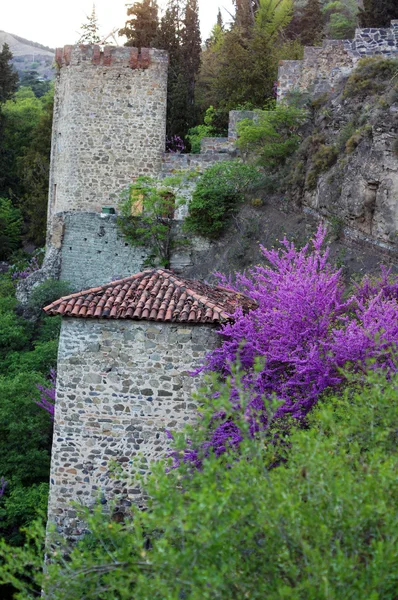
(55, 23)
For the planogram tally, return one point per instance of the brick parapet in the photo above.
(134, 58)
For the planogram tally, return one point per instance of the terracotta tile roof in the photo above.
(153, 295)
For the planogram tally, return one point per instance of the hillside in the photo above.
(29, 55)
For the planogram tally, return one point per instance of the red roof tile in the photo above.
(153, 295)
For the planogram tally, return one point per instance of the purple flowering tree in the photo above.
(47, 394)
(3, 485)
(305, 334)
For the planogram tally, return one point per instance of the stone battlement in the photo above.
(106, 56)
(322, 67)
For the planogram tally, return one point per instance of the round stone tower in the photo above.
(109, 126)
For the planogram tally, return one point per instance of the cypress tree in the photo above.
(191, 52)
(311, 23)
(142, 28)
(378, 13)
(8, 76)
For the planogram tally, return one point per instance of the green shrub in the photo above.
(372, 76)
(209, 128)
(218, 195)
(274, 136)
(320, 524)
(322, 160)
(10, 228)
(45, 293)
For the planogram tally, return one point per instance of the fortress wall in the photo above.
(322, 67)
(109, 124)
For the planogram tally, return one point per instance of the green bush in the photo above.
(209, 128)
(274, 136)
(45, 293)
(372, 76)
(10, 228)
(317, 525)
(218, 195)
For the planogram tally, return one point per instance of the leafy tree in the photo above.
(10, 228)
(311, 23)
(238, 69)
(341, 19)
(273, 136)
(218, 195)
(89, 30)
(141, 29)
(38, 86)
(319, 524)
(378, 13)
(147, 213)
(8, 76)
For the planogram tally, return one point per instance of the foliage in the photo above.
(306, 330)
(320, 525)
(8, 76)
(241, 66)
(341, 19)
(45, 293)
(209, 128)
(313, 157)
(378, 13)
(10, 228)
(147, 213)
(372, 76)
(179, 34)
(89, 30)
(273, 136)
(141, 29)
(31, 79)
(218, 195)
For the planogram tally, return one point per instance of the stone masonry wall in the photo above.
(120, 385)
(324, 66)
(94, 251)
(109, 124)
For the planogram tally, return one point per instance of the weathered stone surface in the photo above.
(115, 399)
(50, 270)
(109, 125)
(323, 67)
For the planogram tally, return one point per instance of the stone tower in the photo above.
(109, 127)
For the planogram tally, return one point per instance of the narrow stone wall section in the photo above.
(94, 251)
(322, 67)
(120, 385)
(109, 124)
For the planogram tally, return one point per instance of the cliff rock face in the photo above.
(347, 167)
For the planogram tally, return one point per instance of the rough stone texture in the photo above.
(120, 385)
(324, 66)
(94, 252)
(109, 124)
(50, 269)
(217, 144)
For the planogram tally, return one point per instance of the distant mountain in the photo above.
(29, 56)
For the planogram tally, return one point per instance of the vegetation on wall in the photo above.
(218, 195)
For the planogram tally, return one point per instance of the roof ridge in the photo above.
(156, 295)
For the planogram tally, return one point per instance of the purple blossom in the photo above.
(3, 485)
(31, 268)
(305, 333)
(47, 398)
(175, 144)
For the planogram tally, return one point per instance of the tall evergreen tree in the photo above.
(142, 27)
(8, 76)
(311, 23)
(191, 52)
(220, 22)
(378, 13)
(89, 30)
(244, 15)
